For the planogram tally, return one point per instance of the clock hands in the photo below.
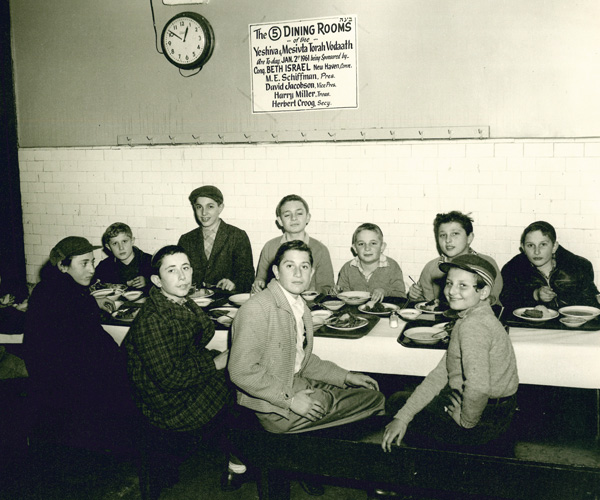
(175, 34)
(185, 35)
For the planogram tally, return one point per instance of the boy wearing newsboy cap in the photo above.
(468, 399)
(219, 253)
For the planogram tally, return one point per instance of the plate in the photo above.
(519, 314)
(421, 307)
(310, 294)
(580, 312)
(388, 309)
(363, 322)
(319, 317)
(126, 314)
(202, 293)
(239, 298)
(133, 295)
(202, 301)
(426, 334)
(105, 292)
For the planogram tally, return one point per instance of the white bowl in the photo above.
(580, 312)
(319, 316)
(202, 301)
(572, 322)
(239, 298)
(310, 294)
(333, 305)
(409, 314)
(133, 295)
(354, 298)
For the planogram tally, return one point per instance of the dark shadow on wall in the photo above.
(12, 249)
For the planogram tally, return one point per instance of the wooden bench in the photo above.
(352, 455)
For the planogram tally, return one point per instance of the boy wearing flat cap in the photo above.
(469, 398)
(219, 253)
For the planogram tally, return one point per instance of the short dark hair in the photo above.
(114, 230)
(367, 226)
(290, 197)
(292, 245)
(465, 220)
(544, 227)
(160, 254)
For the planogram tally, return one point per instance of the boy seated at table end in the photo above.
(371, 270)
(293, 215)
(272, 364)
(469, 398)
(454, 234)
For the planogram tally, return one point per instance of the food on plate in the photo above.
(217, 313)
(345, 320)
(126, 314)
(377, 307)
(537, 312)
(432, 305)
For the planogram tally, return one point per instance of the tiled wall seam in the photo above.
(505, 184)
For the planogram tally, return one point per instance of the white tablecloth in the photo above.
(564, 358)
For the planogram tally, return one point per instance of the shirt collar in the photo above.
(295, 302)
(212, 229)
(383, 262)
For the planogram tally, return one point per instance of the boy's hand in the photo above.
(257, 286)
(7, 300)
(415, 292)
(378, 295)
(137, 282)
(355, 379)
(545, 294)
(226, 284)
(394, 432)
(106, 304)
(305, 406)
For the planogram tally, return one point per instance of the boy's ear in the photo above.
(383, 246)
(279, 223)
(485, 292)
(156, 280)
(275, 271)
(307, 218)
(470, 238)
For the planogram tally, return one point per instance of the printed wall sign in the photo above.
(304, 65)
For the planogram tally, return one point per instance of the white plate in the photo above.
(135, 311)
(363, 322)
(421, 307)
(321, 314)
(426, 334)
(354, 298)
(519, 314)
(202, 301)
(105, 292)
(310, 294)
(580, 312)
(389, 308)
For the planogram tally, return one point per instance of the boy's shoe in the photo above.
(230, 481)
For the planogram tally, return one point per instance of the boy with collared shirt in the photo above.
(220, 254)
(453, 236)
(370, 270)
(468, 399)
(293, 216)
(272, 364)
(126, 263)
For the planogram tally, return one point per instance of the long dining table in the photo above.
(550, 357)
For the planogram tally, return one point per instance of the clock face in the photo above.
(187, 40)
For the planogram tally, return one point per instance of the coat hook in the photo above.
(364, 135)
(222, 137)
(196, 138)
(480, 133)
(449, 134)
(393, 134)
(303, 134)
(129, 142)
(248, 136)
(332, 135)
(275, 136)
(151, 139)
(421, 134)
(172, 139)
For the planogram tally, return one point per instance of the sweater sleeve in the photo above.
(324, 279)
(425, 392)
(396, 286)
(243, 264)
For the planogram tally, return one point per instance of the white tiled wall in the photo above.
(505, 184)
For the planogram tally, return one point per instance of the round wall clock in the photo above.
(188, 40)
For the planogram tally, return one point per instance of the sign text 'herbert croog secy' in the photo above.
(304, 65)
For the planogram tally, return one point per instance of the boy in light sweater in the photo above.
(469, 398)
(370, 270)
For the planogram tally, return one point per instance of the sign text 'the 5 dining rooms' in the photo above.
(304, 65)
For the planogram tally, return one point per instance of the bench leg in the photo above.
(273, 485)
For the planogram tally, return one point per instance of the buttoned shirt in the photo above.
(358, 264)
(209, 234)
(297, 305)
